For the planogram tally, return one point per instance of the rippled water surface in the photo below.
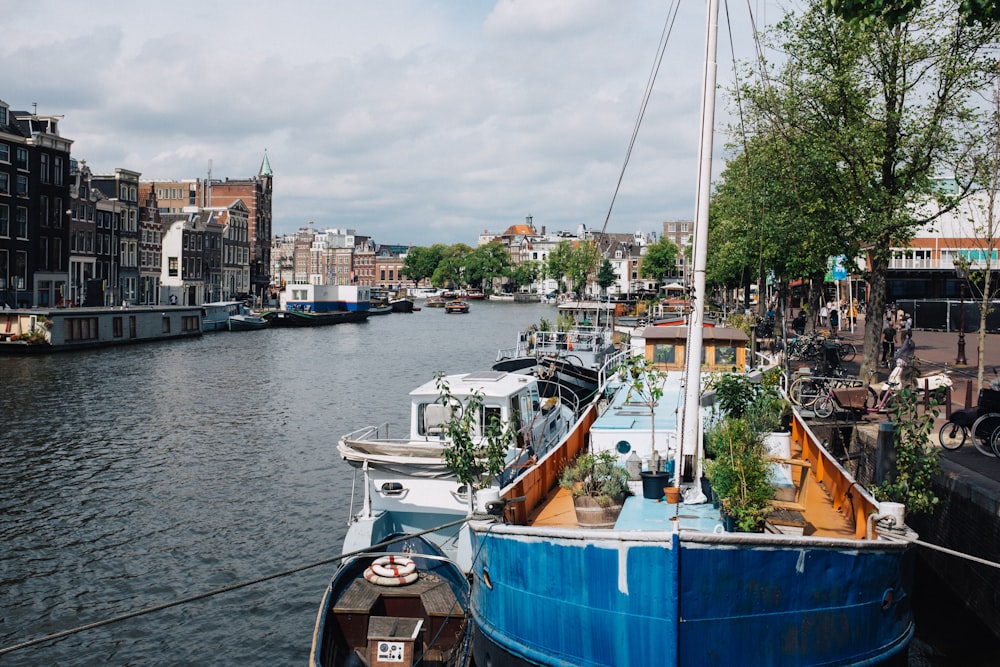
(136, 476)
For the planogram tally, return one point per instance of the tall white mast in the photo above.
(691, 418)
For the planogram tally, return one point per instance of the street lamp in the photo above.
(962, 270)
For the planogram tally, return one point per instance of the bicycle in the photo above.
(982, 422)
(871, 402)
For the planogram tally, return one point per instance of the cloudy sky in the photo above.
(412, 121)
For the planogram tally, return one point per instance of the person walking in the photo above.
(852, 314)
(888, 342)
(834, 320)
(823, 312)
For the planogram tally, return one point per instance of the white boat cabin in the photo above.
(512, 398)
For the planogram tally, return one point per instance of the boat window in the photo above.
(725, 355)
(433, 416)
(664, 353)
(492, 414)
(515, 413)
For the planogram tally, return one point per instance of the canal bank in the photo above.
(958, 598)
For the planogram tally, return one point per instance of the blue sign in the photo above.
(837, 269)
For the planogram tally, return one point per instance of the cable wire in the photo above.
(226, 589)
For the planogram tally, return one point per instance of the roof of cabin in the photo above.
(654, 333)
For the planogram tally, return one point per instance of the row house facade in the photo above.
(185, 274)
(34, 199)
(523, 243)
(335, 257)
(256, 194)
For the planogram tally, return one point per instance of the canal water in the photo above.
(134, 477)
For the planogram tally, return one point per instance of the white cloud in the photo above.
(413, 121)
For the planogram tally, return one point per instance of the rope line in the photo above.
(952, 552)
(226, 589)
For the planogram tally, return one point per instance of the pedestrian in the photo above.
(906, 350)
(834, 320)
(907, 326)
(823, 312)
(852, 313)
(799, 323)
(888, 342)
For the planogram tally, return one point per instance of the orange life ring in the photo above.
(392, 571)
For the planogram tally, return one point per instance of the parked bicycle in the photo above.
(981, 423)
(880, 397)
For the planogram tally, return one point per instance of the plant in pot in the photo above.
(599, 487)
(645, 387)
(740, 475)
(477, 441)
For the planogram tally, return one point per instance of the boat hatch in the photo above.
(485, 376)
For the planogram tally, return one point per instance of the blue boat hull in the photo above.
(554, 598)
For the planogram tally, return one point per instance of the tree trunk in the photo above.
(874, 312)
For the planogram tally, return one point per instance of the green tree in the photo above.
(890, 107)
(894, 13)
(485, 263)
(420, 262)
(659, 260)
(606, 276)
(450, 271)
(583, 261)
(558, 262)
(525, 273)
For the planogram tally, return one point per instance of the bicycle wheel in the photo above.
(871, 399)
(804, 392)
(952, 435)
(983, 430)
(824, 405)
(847, 351)
(995, 442)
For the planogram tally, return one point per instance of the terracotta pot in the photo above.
(673, 494)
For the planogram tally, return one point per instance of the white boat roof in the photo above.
(492, 384)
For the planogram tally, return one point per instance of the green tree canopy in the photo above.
(485, 263)
(887, 107)
(659, 260)
(420, 262)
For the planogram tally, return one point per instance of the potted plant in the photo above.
(645, 387)
(599, 487)
(740, 474)
(475, 458)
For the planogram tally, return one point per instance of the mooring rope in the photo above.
(952, 552)
(226, 589)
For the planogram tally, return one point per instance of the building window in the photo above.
(46, 171)
(59, 172)
(4, 221)
(4, 184)
(5, 153)
(22, 158)
(171, 266)
(22, 185)
(117, 328)
(21, 222)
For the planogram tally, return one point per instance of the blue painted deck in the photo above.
(644, 514)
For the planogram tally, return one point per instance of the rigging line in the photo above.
(225, 589)
(661, 49)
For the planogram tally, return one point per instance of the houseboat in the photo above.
(36, 330)
(305, 305)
